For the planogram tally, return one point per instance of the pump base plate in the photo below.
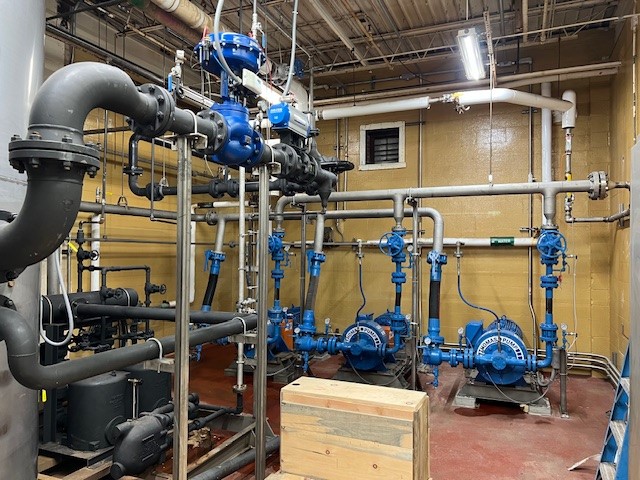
(469, 394)
(393, 377)
(281, 369)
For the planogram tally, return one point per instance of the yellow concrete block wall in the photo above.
(622, 139)
(457, 150)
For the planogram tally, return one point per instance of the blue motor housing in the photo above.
(244, 145)
(366, 340)
(501, 340)
(240, 51)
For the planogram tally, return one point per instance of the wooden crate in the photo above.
(286, 476)
(333, 430)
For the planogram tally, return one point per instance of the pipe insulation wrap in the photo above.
(374, 108)
(569, 117)
(22, 351)
(516, 97)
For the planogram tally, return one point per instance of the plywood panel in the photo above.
(338, 430)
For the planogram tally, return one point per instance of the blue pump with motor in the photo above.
(498, 352)
(366, 344)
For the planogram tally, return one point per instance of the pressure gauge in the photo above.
(410, 248)
(460, 331)
(327, 321)
(427, 340)
(564, 327)
(297, 331)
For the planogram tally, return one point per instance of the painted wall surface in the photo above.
(458, 150)
(622, 139)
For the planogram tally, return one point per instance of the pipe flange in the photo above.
(599, 185)
(6, 302)
(221, 131)
(24, 154)
(165, 111)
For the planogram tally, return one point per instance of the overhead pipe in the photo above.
(507, 81)
(55, 157)
(188, 13)
(516, 97)
(471, 97)
(22, 351)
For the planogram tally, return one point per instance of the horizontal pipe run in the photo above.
(374, 108)
(22, 352)
(90, 207)
(548, 189)
(610, 219)
(450, 242)
(147, 313)
(516, 97)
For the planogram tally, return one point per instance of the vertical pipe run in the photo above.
(532, 311)
(242, 234)
(564, 412)
(260, 377)
(415, 295)
(181, 384)
(303, 254)
(546, 126)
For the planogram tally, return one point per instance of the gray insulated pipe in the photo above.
(55, 157)
(22, 351)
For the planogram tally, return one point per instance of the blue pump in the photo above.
(366, 343)
(498, 352)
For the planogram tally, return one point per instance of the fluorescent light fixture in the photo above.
(470, 50)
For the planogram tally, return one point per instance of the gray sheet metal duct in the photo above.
(56, 159)
(22, 351)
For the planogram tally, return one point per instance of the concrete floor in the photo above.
(492, 442)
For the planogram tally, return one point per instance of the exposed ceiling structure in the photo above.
(360, 46)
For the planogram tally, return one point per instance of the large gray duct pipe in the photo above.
(56, 159)
(22, 53)
(22, 351)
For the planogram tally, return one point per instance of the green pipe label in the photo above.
(502, 241)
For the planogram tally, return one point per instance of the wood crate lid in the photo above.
(366, 399)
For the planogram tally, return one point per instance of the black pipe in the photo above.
(216, 188)
(210, 291)
(434, 299)
(234, 464)
(55, 311)
(398, 299)
(169, 314)
(22, 351)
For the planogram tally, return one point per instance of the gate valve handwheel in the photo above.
(391, 244)
(551, 245)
